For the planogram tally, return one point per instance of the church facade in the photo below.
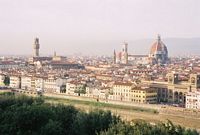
(121, 57)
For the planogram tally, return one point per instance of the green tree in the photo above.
(52, 128)
(81, 89)
(21, 115)
(6, 80)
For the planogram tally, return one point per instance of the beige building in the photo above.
(39, 84)
(50, 85)
(26, 82)
(54, 84)
(58, 58)
(174, 90)
(121, 91)
(2, 77)
(132, 93)
(15, 81)
(144, 95)
(193, 100)
(73, 88)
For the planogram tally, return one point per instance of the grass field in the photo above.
(100, 105)
(128, 112)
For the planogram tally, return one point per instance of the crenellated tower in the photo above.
(36, 47)
(114, 57)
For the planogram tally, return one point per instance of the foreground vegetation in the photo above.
(21, 115)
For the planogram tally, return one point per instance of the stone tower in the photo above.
(36, 47)
(172, 78)
(114, 57)
(195, 80)
(125, 53)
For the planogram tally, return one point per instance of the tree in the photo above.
(81, 89)
(52, 128)
(6, 80)
(21, 115)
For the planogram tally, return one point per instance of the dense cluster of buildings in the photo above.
(144, 79)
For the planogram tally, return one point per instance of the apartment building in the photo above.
(2, 77)
(121, 91)
(174, 90)
(74, 87)
(39, 84)
(193, 100)
(132, 93)
(26, 82)
(50, 85)
(15, 81)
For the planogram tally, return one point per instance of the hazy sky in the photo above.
(92, 26)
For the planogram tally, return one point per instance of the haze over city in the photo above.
(97, 27)
(100, 67)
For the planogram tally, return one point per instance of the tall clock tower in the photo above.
(36, 47)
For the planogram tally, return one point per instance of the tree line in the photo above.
(21, 115)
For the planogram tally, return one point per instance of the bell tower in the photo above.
(125, 53)
(36, 47)
(114, 57)
(172, 78)
(195, 80)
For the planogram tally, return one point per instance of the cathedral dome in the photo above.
(158, 47)
(158, 52)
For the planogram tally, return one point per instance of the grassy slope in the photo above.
(128, 113)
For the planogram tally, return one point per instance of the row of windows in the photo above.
(135, 100)
(192, 104)
(135, 91)
(151, 100)
(27, 81)
(143, 101)
(152, 96)
(120, 86)
(193, 100)
(49, 80)
(194, 107)
(139, 96)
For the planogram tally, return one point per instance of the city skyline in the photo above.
(99, 67)
(137, 47)
(97, 27)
